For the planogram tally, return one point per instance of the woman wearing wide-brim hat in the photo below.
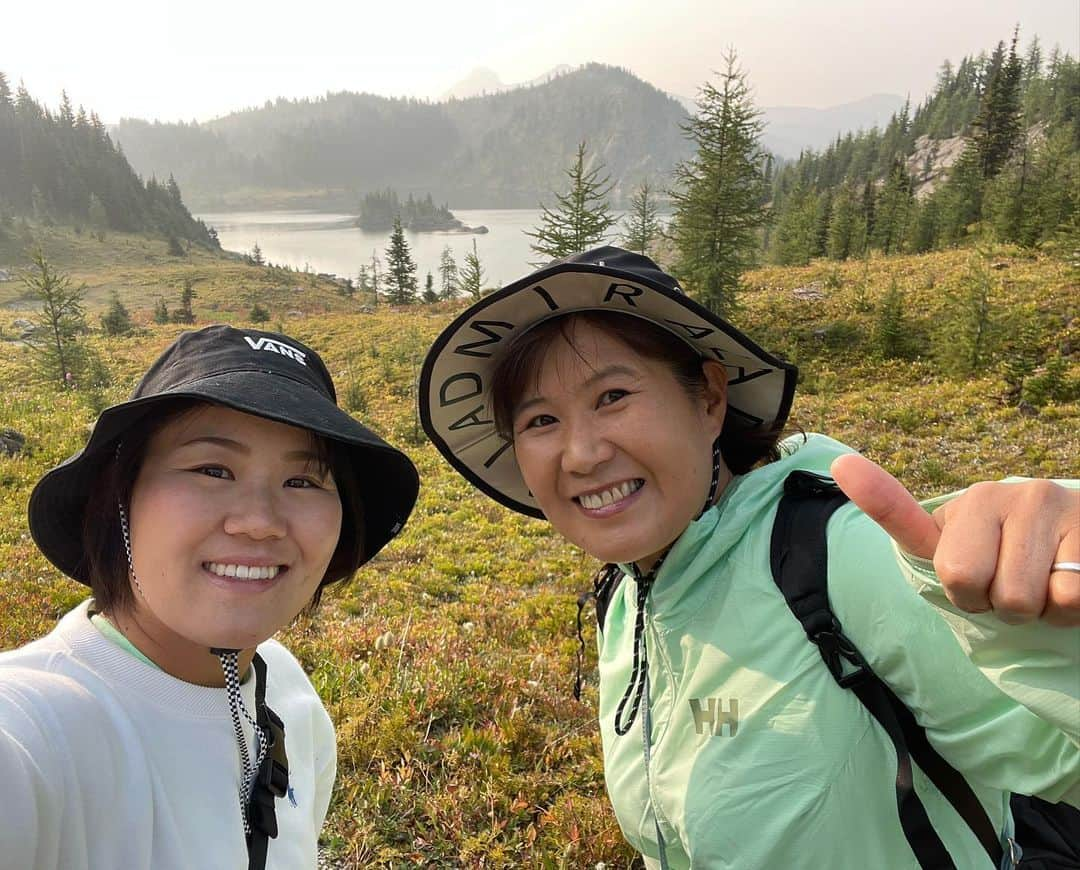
(596, 395)
(158, 725)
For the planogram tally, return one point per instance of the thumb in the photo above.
(885, 500)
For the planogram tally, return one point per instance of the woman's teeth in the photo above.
(595, 500)
(244, 572)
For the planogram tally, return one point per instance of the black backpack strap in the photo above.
(605, 582)
(799, 561)
(272, 780)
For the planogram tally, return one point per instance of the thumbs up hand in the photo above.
(993, 546)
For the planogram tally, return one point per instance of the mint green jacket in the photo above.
(758, 758)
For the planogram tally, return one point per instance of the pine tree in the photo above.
(926, 225)
(1022, 352)
(822, 218)
(1034, 85)
(1055, 193)
(582, 216)
(869, 218)
(997, 126)
(257, 255)
(844, 225)
(1006, 198)
(161, 312)
(117, 320)
(59, 324)
(173, 190)
(890, 331)
(966, 330)
(893, 207)
(471, 277)
(1053, 384)
(258, 314)
(185, 313)
(376, 276)
(642, 224)
(448, 274)
(429, 294)
(793, 241)
(363, 282)
(400, 268)
(961, 198)
(720, 195)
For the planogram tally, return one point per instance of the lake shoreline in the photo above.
(329, 242)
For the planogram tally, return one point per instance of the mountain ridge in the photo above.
(505, 149)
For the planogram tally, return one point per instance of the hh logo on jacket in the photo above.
(710, 717)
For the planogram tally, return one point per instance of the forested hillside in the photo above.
(507, 149)
(995, 147)
(64, 167)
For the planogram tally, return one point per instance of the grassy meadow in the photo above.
(447, 664)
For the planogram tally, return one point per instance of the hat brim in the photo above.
(385, 478)
(455, 407)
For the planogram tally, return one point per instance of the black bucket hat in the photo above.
(454, 394)
(261, 373)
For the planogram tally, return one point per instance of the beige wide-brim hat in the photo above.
(455, 402)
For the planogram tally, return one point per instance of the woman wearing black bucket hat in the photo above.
(596, 395)
(158, 726)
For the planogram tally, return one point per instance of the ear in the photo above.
(715, 393)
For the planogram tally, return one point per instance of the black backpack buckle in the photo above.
(836, 649)
(274, 772)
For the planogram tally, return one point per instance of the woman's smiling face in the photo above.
(233, 523)
(616, 451)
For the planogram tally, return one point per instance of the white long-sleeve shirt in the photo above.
(108, 762)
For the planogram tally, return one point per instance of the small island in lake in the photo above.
(378, 210)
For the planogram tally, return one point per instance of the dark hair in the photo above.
(102, 537)
(742, 444)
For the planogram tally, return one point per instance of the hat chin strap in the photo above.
(126, 532)
(238, 711)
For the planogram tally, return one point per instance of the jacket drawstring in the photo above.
(640, 668)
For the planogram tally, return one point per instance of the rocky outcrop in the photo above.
(930, 162)
(25, 328)
(932, 159)
(11, 442)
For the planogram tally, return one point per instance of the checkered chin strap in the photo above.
(237, 708)
(249, 769)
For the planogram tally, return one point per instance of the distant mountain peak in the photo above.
(553, 73)
(483, 80)
(790, 129)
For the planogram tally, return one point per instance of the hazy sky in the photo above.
(197, 59)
